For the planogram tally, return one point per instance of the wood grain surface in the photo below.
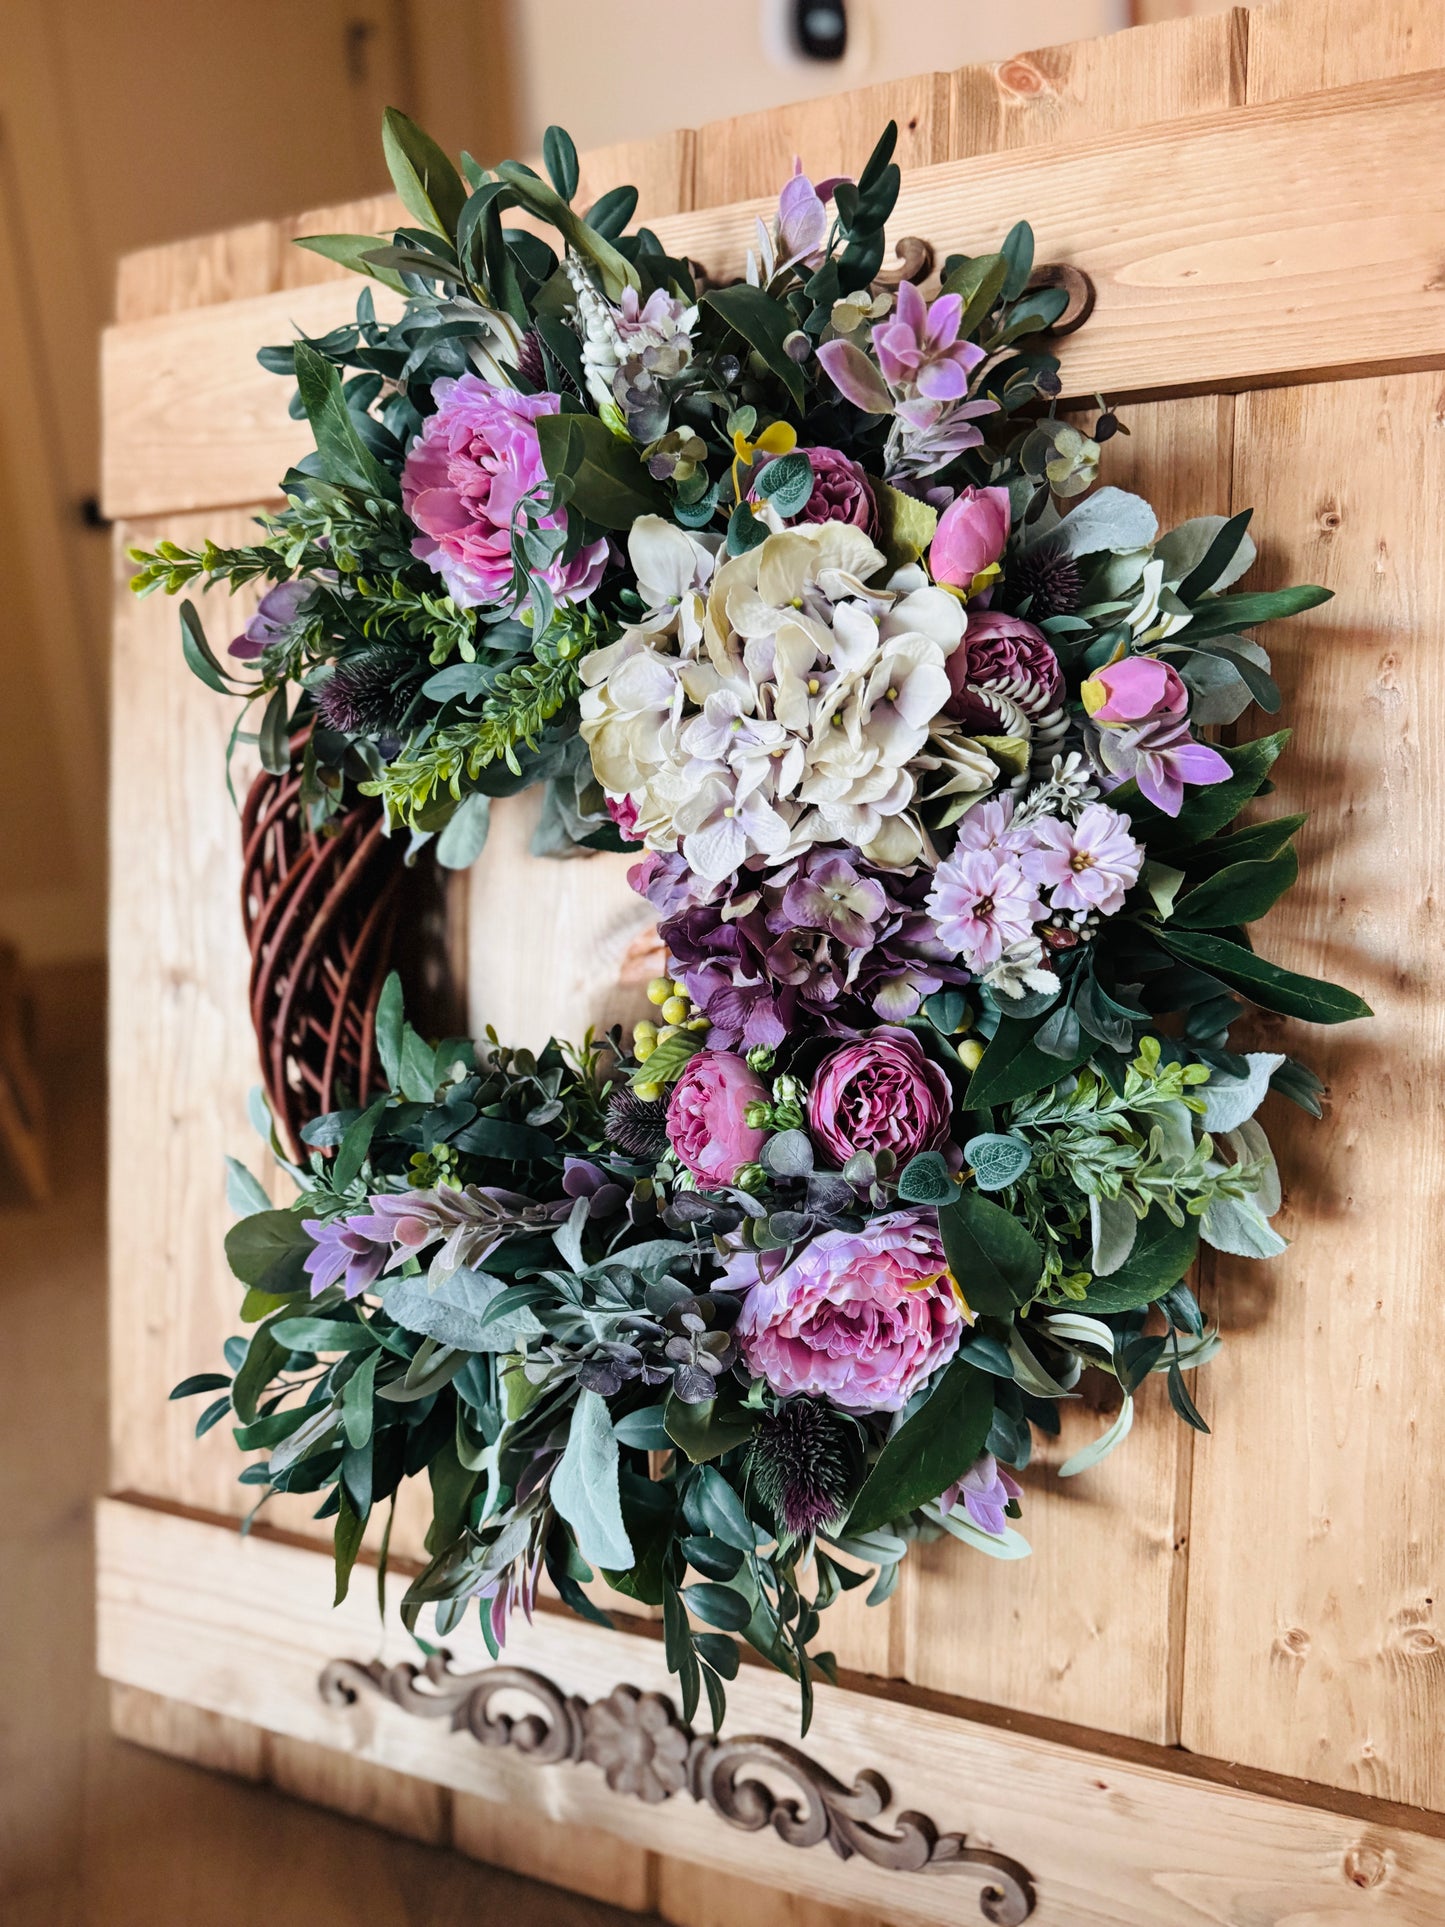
(1110, 1841)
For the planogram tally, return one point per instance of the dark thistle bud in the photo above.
(367, 691)
(636, 1125)
(799, 1463)
(530, 365)
(1044, 583)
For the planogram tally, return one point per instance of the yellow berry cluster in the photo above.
(674, 1007)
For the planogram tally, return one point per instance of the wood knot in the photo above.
(1329, 517)
(1293, 1643)
(1365, 1866)
(1021, 77)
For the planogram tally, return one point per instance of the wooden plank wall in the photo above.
(1296, 1631)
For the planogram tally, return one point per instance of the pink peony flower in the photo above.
(1088, 865)
(1136, 689)
(841, 492)
(881, 1094)
(1007, 655)
(983, 903)
(971, 536)
(705, 1118)
(858, 1317)
(465, 475)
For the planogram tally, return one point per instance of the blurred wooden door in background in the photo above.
(122, 125)
(1215, 1693)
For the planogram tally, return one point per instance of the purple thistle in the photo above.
(799, 1464)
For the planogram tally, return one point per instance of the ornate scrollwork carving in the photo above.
(643, 1748)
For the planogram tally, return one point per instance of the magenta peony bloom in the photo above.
(881, 1094)
(841, 492)
(858, 1317)
(1006, 656)
(466, 474)
(1088, 865)
(278, 607)
(705, 1117)
(1136, 689)
(982, 904)
(971, 536)
(986, 1490)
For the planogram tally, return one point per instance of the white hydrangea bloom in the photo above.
(773, 700)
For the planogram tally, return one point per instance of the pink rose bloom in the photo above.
(970, 537)
(841, 492)
(1008, 656)
(1088, 865)
(881, 1094)
(1136, 689)
(705, 1122)
(983, 904)
(858, 1317)
(464, 477)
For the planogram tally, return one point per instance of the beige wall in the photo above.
(613, 69)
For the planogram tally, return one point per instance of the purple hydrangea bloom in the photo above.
(827, 939)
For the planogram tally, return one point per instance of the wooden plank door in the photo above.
(1213, 1696)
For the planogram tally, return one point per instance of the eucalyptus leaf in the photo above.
(1267, 984)
(997, 1160)
(765, 325)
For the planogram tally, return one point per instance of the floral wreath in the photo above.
(801, 585)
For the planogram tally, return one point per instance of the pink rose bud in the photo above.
(1135, 689)
(970, 536)
(706, 1120)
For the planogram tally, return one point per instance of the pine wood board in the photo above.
(1090, 1629)
(1302, 46)
(1162, 72)
(1226, 251)
(753, 154)
(1110, 1841)
(1317, 1562)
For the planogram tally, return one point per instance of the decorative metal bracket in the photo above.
(644, 1749)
